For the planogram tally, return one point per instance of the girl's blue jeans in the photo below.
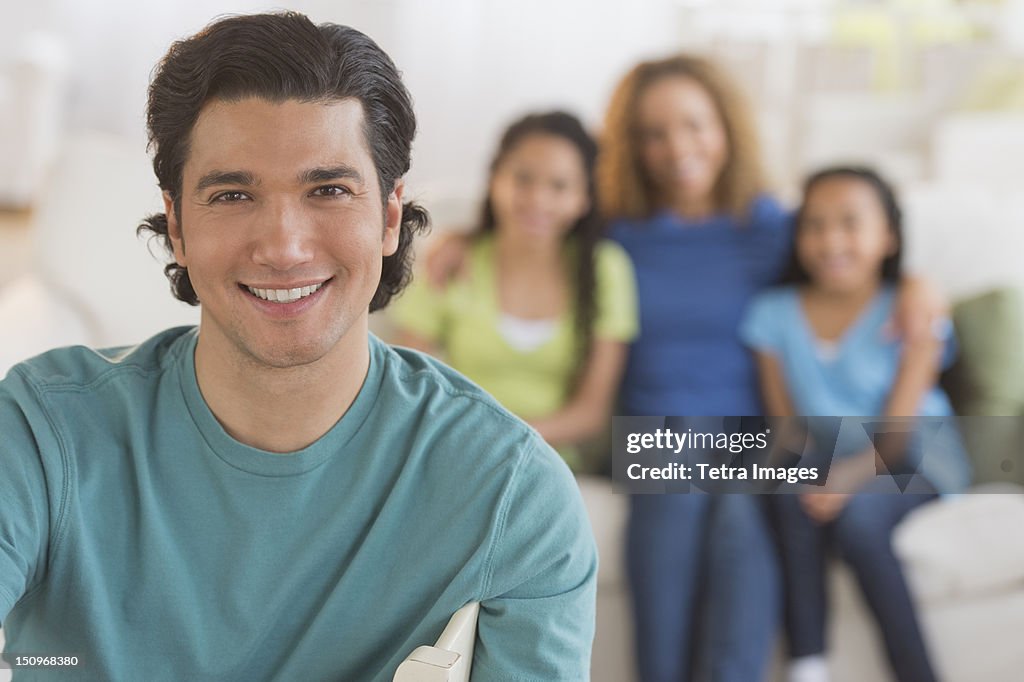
(862, 535)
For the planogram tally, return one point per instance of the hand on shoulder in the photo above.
(446, 259)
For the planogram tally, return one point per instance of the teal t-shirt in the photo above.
(140, 536)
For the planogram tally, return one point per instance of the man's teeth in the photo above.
(285, 295)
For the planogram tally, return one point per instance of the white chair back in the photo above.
(451, 657)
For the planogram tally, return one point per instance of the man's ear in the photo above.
(393, 218)
(174, 230)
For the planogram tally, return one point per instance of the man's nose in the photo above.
(283, 236)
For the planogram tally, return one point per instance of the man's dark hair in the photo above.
(278, 57)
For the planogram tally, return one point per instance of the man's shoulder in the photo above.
(80, 367)
(418, 376)
(461, 430)
(444, 407)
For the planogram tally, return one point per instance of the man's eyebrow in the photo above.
(217, 177)
(327, 173)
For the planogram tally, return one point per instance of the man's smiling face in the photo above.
(282, 228)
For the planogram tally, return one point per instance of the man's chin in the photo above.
(286, 352)
(287, 357)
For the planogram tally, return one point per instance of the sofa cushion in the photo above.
(987, 383)
(968, 545)
(988, 377)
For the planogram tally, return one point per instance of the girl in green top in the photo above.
(544, 308)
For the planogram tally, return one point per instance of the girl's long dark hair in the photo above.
(795, 273)
(584, 234)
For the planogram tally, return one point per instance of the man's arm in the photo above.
(537, 615)
(24, 509)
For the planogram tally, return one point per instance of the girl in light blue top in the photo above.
(823, 349)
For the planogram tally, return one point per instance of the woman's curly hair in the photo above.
(626, 190)
(277, 57)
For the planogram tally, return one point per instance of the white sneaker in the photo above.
(808, 669)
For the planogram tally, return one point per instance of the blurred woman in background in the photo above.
(680, 175)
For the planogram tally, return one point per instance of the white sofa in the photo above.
(965, 561)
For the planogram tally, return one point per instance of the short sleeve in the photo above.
(616, 293)
(24, 513)
(763, 324)
(537, 613)
(420, 309)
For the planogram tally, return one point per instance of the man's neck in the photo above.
(275, 409)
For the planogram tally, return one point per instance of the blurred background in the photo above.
(931, 92)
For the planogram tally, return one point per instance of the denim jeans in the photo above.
(862, 534)
(707, 560)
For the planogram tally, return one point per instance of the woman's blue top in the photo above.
(695, 278)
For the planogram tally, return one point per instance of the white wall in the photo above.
(471, 65)
(485, 63)
(474, 65)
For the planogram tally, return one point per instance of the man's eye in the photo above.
(330, 191)
(230, 197)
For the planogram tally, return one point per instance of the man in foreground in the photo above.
(277, 494)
